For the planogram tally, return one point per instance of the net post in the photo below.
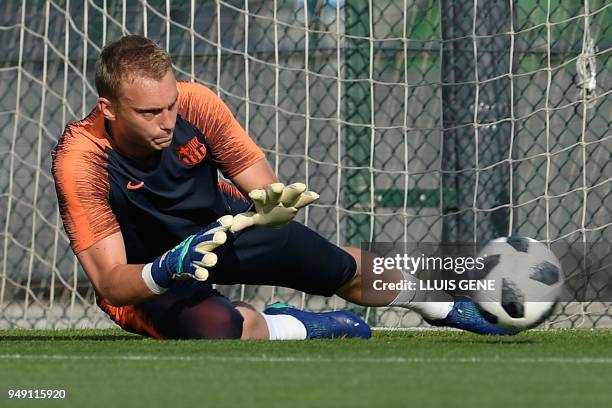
(476, 133)
(358, 118)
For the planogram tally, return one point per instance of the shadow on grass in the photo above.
(451, 337)
(495, 341)
(102, 337)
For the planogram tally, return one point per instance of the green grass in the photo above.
(108, 368)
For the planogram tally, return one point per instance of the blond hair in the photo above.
(130, 56)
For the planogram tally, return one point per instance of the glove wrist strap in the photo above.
(147, 277)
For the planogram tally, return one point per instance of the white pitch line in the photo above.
(288, 359)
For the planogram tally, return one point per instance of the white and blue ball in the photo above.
(528, 283)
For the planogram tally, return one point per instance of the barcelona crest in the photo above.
(192, 152)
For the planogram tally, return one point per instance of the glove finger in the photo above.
(209, 259)
(242, 221)
(200, 274)
(291, 194)
(211, 241)
(259, 199)
(305, 199)
(274, 192)
(222, 224)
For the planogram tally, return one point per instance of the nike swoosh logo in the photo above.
(131, 186)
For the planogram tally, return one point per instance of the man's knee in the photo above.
(212, 320)
(354, 282)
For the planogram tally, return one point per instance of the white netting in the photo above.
(415, 120)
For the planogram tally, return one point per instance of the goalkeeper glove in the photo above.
(189, 259)
(275, 206)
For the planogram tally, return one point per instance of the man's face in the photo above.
(145, 115)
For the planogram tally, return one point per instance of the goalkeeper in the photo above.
(154, 228)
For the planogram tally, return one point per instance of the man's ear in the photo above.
(107, 108)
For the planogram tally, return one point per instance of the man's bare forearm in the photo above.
(123, 285)
(259, 175)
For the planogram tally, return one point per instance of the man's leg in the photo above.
(353, 291)
(437, 307)
(254, 326)
(189, 310)
(297, 257)
(196, 311)
(430, 304)
(193, 310)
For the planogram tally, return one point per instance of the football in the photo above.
(527, 278)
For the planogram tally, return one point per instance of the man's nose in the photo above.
(167, 120)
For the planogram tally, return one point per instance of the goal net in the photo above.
(416, 120)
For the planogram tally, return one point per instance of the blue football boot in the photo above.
(324, 325)
(465, 316)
